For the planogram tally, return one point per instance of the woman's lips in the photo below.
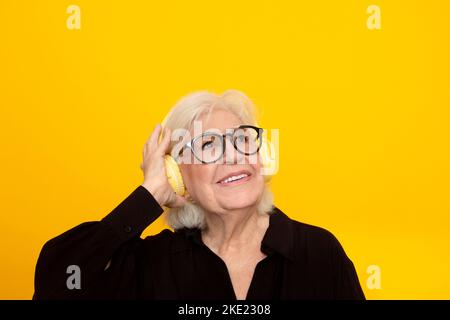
(235, 182)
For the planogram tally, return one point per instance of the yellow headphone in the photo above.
(173, 173)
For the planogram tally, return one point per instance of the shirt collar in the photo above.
(279, 236)
(277, 239)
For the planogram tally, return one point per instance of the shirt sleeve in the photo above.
(346, 282)
(97, 259)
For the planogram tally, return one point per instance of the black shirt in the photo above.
(302, 262)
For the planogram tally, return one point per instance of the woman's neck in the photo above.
(235, 230)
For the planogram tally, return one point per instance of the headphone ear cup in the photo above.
(173, 174)
(269, 165)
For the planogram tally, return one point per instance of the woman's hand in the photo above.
(155, 179)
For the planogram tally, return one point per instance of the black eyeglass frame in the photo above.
(223, 137)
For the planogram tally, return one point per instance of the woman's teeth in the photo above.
(234, 178)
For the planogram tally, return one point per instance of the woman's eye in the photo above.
(242, 138)
(207, 144)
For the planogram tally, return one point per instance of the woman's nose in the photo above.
(231, 156)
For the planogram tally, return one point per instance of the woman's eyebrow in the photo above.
(216, 131)
(213, 131)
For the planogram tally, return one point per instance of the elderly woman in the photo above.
(229, 241)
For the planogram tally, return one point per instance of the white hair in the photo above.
(188, 109)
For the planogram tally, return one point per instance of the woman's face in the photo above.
(205, 182)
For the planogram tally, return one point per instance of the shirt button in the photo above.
(127, 229)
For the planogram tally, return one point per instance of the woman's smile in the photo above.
(235, 179)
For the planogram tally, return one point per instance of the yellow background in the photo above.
(363, 118)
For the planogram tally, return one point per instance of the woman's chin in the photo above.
(238, 201)
(239, 196)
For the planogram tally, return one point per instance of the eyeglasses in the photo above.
(209, 147)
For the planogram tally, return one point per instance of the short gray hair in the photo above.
(183, 114)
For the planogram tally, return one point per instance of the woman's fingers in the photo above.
(165, 142)
(144, 151)
(153, 166)
(151, 144)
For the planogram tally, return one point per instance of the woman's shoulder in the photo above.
(308, 235)
(314, 233)
(164, 236)
(168, 240)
